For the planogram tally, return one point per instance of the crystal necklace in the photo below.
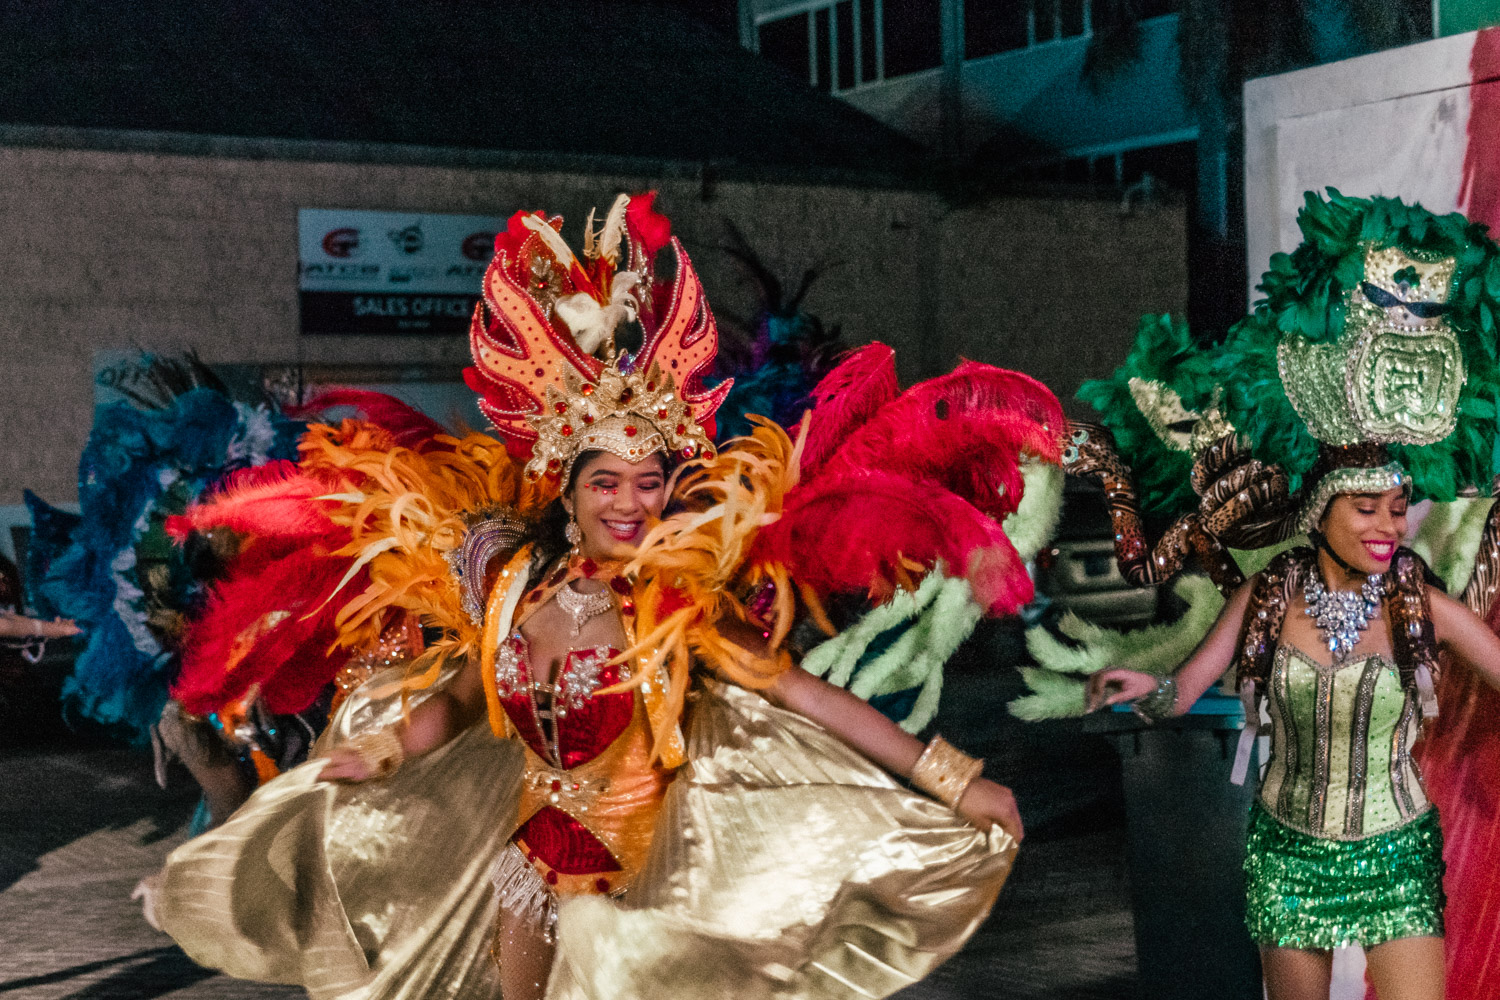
(1341, 615)
(582, 607)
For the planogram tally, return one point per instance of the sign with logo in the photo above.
(390, 272)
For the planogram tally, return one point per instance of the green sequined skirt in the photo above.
(1312, 892)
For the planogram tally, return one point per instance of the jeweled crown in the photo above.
(545, 363)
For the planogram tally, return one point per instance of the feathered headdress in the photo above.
(543, 340)
(1378, 330)
(1162, 407)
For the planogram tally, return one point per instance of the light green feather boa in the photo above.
(934, 619)
(1057, 685)
(1034, 520)
(1448, 540)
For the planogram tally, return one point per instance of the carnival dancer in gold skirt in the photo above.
(608, 776)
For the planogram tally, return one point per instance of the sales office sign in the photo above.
(390, 272)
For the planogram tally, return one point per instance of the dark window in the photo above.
(1046, 19)
(1071, 14)
(823, 48)
(843, 16)
(992, 26)
(867, 50)
(913, 36)
(784, 42)
(1155, 8)
(1172, 167)
(1077, 170)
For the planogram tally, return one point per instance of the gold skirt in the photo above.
(783, 865)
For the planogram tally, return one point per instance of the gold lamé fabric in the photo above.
(784, 866)
(376, 890)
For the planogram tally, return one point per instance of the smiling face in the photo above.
(1365, 528)
(616, 502)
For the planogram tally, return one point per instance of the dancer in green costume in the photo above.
(1366, 378)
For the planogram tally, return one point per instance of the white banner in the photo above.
(364, 272)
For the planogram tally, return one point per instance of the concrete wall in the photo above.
(101, 250)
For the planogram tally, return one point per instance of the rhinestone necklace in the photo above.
(582, 607)
(1341, 615)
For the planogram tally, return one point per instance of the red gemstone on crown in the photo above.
(682, 428)
(560, 407)
(627, 394)
(650, 386)
(587, 390)
(566, 430)
(556, 785)
(630, 430)
(588, 418)
(661, 414)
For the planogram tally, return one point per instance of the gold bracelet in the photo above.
(945, 772)
(381, 750)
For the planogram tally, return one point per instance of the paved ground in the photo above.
(81, 823)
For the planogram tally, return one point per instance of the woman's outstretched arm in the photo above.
(1465, 635)
(440, 718)
(1207, 664)
(863, 728)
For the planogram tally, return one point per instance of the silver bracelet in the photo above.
(1159, 704)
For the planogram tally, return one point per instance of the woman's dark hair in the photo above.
(551, 541)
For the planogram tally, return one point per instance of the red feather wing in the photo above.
(862, 383)
(409, 426)
(850, 534)
(268, 624)
(273, 500)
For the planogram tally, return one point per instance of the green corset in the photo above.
(1341, 741)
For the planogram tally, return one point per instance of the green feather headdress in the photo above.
(1165, 365)
(1317, 305)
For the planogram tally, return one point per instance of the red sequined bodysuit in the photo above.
(590, 795)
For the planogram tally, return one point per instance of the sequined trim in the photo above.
(1352, 480)
(1359, 750)
(521, 891)
(580, 678)
(508, 675)
(1400, 758)
(1317, 799)
(1291, 747)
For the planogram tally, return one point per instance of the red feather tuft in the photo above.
(849, 534)
(647, 226)
(267, 624)
(410, 427)
(974, 388)
(973, 456)
(276, 499)
(922, 477)
(863, 382)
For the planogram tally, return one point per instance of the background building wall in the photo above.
(104, 250)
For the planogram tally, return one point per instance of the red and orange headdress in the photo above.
(546, 366)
